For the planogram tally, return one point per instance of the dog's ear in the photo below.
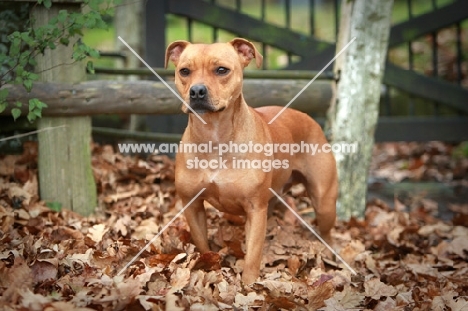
(174, 50)
(247, 51)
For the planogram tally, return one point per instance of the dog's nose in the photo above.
(198, 91)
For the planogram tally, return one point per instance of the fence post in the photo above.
(65, 173)
(353, 114)
(128, 25)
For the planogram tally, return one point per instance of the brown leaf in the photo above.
(180, 278)
(423, 269)
(16, 280)
(323, 278)
(282, 302)
(460, 220)
(294, 263)
(459, 246)
(461, 304)
(96, 232)
(350, 251)
(277, 288)
(160, 259)
(332, 304)
(384, 305)
(34, 302)
(348, 298)
(375, 289)
(250, 300)
(208, 261)
(318, 295)
(18, 196)
(43, 270)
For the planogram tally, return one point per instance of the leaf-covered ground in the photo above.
(405, 258)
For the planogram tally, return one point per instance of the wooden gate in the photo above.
(424, 93)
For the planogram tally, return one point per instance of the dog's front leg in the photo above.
(196, 217)
(255, 231)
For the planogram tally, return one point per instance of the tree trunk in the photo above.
(65, 173)
(353, 115)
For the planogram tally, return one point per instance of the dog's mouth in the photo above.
(203, 107)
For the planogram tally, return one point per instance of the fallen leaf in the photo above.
(250, 300)
(375, 289)
(96, 232)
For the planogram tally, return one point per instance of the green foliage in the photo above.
(461, 151)
(35, 109)
(55, 206)
(18, 60)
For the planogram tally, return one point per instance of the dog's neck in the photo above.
(222, 126)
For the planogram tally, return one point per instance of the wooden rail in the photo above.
(150, 97)
(248, 74)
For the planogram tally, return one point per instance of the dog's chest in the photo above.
(229, 181)
(229, 192)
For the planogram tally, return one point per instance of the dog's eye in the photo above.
(184, 72)
(222, 71)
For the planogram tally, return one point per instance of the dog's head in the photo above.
(209, 76)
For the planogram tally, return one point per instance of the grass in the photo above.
(103, 40)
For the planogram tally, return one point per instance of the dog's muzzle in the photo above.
(200, 100)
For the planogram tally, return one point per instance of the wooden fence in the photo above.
(424, 92)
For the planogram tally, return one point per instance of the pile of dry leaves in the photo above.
(432, 161)
(63, 261)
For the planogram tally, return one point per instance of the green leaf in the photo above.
(33, 76)
(23, 59)
(55, 206)
(31, 117)
(27, 85)
(15, 112)
(90, 22)
(53, 21)
(95, 4)
(41, 104)
(35, 109)
(64, 41)
(26, 37)
(32, 103)
(37, 113)
(3, 105)
(15, 47)
(14, 35)
(3, 94)
(90, 67)
(32, 62)
(48, 3)
(93, 53)
(62, 15)
(19, 72)
(19, 104)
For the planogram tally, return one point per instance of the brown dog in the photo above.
(209, 78)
